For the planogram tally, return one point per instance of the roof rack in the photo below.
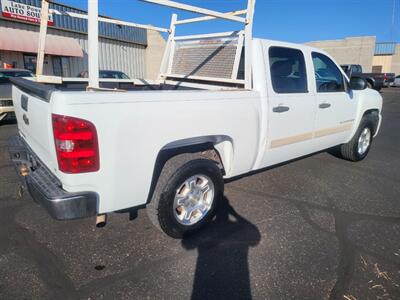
(208, 58)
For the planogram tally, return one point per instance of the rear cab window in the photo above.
(288, 70)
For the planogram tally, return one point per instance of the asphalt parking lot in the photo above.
(317, 228)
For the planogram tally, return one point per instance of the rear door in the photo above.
(291, 104)
(335, 105)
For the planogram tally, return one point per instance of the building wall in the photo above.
(384, 61)
(396, 61)
(154, 53)
(353, 50)
(113, 55)
(107, 30)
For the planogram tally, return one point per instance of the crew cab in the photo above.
(171, 146)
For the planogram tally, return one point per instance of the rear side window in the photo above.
(328, 76)
(288, 70)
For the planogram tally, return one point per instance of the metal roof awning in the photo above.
(26, 41)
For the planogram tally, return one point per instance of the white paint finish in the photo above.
(208, 18)
(296, 122)
(44, 17)
(199, 10)
(152, 116)
(248, 42)
(149, 120)
(342, 110)
(38, 133)
(206, 36)
(93, 41)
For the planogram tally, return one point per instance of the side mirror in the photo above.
(358, 84)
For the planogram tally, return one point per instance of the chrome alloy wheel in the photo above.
(193, 200)
(364, 141)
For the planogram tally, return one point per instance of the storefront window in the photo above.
(30, 62)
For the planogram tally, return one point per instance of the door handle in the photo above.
(280, 109)
(324, 105)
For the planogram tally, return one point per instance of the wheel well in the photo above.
(206, 149)
(374, 114)
(370, 80)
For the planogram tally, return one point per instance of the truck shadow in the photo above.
(358, 248)
(222, 270)
(352, 253)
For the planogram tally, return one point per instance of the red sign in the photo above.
(7, 66)
(23, 12)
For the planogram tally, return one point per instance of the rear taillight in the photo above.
(385, 77)
(76, 145)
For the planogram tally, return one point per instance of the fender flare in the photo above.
(221, 144)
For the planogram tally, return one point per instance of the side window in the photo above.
(354, 69)
(328, 76)
(288, 70)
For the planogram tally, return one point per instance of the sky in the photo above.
(296, 21)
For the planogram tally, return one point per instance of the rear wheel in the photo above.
(186, 195)
(358, 148)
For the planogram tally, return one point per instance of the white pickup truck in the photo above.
(168, 147)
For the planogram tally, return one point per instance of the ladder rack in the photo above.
(208, 58)
(214, 57)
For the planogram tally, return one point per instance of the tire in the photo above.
(351, 151)
(162, 210)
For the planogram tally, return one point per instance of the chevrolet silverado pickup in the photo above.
(169, 147)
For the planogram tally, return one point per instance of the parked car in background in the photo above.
(375, 81)
(106, 74)
(396, 82)
(6, 103)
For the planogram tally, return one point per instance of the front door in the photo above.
(336, 107)
(291, 112)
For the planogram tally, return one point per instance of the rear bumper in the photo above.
(46, 189)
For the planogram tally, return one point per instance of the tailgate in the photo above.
(33, 112)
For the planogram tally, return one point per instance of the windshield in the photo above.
(9, 74)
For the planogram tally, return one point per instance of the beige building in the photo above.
(364, 51)
(387, 61)
(154, 53)
(352, 50)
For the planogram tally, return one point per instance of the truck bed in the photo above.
(133, 122)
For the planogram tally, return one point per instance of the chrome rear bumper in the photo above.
(46, 189)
